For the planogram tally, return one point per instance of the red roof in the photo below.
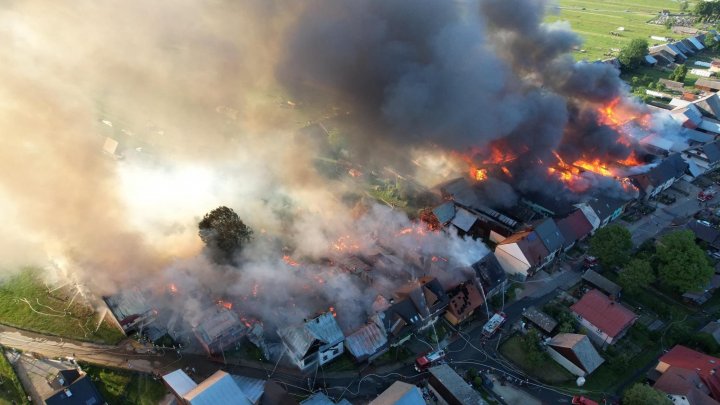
(607, 315)
(704, 365)
(580, 400)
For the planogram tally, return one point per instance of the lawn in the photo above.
(125, 387)
(25, 303)
(11, 391)
(548, 371)
(595, 19)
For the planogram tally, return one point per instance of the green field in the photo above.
(595, 19)
(124, 387)
(25, 303)
(548, 371)
(11, 391)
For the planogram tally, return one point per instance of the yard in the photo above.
(124, 387)
(11, 391)
(594, 20)
(547, 371)
(25, 303)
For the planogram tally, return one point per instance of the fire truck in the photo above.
(494, 324)
(707, 195)
(422, 363)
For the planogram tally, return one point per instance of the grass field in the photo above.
(124, 387)
(595, 19)
(548, 371)
(24, 293)
(11, 391)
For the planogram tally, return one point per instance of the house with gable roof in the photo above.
(606, 320)
(314, 343)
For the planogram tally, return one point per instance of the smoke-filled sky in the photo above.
(199, 94)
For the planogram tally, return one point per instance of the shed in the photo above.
(602, 283)
(545, 322)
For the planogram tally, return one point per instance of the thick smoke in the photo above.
(196, 93)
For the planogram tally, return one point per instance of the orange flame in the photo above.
(287, 259)
(506, 171)
(595, 166)
(345, 244)
(354, 173)
(173, 288)
(631, 160)
(225, 304)
(332, 311)
(479, 174)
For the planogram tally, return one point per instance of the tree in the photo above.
(611, 245)
(224, 232)
(682, 263)
(643, 394)
(710, 42)
(531, 346)
(683, 5)
(636, 275)
(632, 55)
(679, 73)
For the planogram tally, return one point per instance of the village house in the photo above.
(574, 228)
(703, 158)
(131, 311)
(490, 278)
(705, 84)
(464, 300)
(314, 343)
(605, 319)
(414, 307)
(367, 343)
(73, 387)
(683, 372)
(704, 294)
(575, 353)
(550, 236)
(522, 254)
(223, 388)
(319, 398)
(218, 329)
(660, 177)
(400, 393)
(452, 388)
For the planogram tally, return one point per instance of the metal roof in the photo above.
(323, 328)
(400, 393)
(461, 392)
(540, 319)
(445, 212)
(586, 357)
(219, 322)
(464, 220)
(550, 234)
(179, 382)
(251, 387)
(321, 399)
(366, 341)
(219, 388)
(594, 278)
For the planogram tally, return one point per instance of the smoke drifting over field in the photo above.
(194, 91)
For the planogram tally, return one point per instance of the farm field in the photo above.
(594, 20)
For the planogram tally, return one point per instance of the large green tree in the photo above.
(611, 245)
(224, 232)
(682, 263)
(633, 54)
(643, 394)
(636, 275)
(679, 73)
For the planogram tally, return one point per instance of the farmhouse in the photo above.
(606, 320)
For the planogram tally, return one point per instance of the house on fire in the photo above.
(314, 343)
(490, 278)
(218, 329)
(414, 307)
(132, 312)
(606, 320)
(464, 300)
(660, 177)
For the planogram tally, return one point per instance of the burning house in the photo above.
(415, 307)
(133, 313)
(314, 343)
(660, 177)
(218, 329)
(490, 278)
(464, 300)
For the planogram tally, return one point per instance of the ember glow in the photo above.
(289, 260)
(479, 174)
